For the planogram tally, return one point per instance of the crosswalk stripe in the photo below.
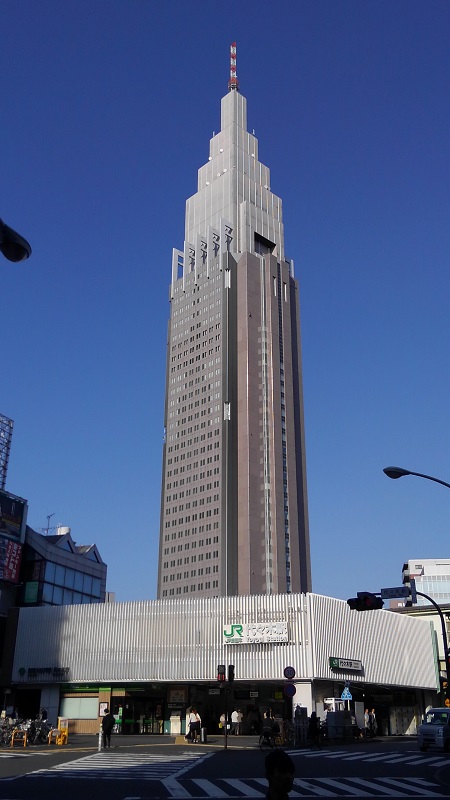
(357, 757)
(417, 759)
(177, 791)
(16, 754)
(387, 758)
(338, 785)
(409, 784)
(209, 788)
(382, 789)
(313, 788)
(246, 790)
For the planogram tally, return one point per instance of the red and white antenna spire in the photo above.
(233, 83)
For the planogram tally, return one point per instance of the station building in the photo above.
(151, 660)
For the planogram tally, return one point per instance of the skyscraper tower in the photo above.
(234, 516)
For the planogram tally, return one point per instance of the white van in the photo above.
(435, 730)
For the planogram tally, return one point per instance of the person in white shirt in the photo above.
(234, 722)
(194, 724)
(240, 718)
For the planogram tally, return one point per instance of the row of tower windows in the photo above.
(194, 517)
(187, 532)
(193, 588)
(198, 357)
(207, 570)
(185, 342)
(193, 478)
(213, 334)
(201, 543)
(208, 473)
(192, 349)
(194, 490)
(202, 463)
(190, 573)
(199, 324)
(186, 506)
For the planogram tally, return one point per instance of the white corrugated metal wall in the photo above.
(182, 640)
(391, 652)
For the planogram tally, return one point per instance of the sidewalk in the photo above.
(119, 740)
(90, 741)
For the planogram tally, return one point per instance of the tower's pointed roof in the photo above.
(234, 185)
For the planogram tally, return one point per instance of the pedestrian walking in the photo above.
(373, 725)
(313, 734)
(366, 723)
(234, 722)
(194, 725)
(239, 723)
(108, 722)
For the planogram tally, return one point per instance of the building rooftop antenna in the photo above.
(233, 83)
(49, 516)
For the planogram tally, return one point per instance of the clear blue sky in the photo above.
(107, 108)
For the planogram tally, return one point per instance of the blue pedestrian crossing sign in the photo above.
(346, 695)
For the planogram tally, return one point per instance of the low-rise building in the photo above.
(56, 571)
(151, 660)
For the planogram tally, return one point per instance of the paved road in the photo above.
(143, 770)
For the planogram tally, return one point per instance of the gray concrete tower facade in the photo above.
(234, 514)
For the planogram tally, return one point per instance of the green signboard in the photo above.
(345, 664)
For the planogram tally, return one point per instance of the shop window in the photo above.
(79, 707)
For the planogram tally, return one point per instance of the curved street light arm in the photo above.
(399, 472)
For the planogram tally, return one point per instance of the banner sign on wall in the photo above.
(12, 515)
(10, 556)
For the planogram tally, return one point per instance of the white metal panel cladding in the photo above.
(163, 640)
(181, 640)
(392, 651)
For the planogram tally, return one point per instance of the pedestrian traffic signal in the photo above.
(230, 673)
(221, 673)
(366, 601)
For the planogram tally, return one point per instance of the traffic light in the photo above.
(221, 673)
(366, 601)
(230, 673)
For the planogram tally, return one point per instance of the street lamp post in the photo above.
(13, 246)
(444, 638)
(399, 472)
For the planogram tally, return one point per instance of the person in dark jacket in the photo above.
(108, 723)
(313, 734)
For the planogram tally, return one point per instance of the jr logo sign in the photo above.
(235, 633)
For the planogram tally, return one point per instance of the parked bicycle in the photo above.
(37, 731)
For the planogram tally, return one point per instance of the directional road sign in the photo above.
(395, 591)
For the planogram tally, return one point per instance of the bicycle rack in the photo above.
(20, 736)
